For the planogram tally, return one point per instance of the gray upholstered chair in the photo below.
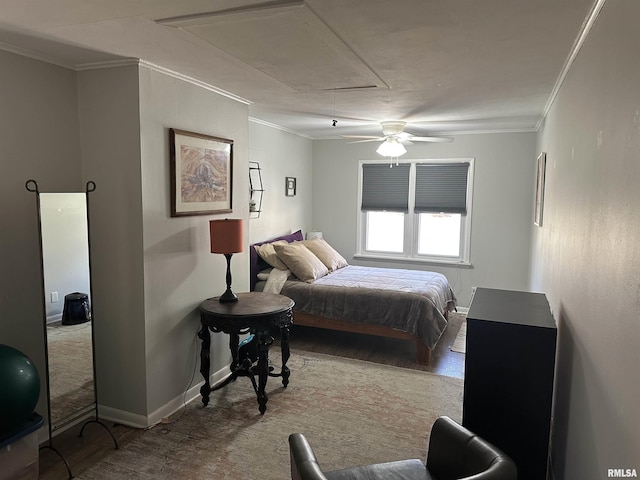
(454, 453)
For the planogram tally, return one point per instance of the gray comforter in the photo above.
(412, 301)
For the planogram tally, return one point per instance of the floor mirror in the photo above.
(69, 337)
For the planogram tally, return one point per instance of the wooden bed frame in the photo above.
(423, 353)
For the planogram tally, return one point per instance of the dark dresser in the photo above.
(509, 375)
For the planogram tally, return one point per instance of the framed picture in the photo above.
(542, 161)
(201, 173)
(290, 186)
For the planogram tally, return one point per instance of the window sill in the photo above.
(383, 258)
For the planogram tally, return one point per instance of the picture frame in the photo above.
(201, 173)
(290, 186)
(540, 180)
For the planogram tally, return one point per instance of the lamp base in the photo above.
(228, 297)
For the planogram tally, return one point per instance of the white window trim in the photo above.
(411, 231)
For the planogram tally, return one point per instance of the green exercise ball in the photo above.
(19, 387)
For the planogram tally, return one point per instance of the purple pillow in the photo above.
(257, 264)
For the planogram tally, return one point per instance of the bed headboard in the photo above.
(256, 263)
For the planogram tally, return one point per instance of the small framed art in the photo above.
(539, 206)
(201, 173)
(290, 186)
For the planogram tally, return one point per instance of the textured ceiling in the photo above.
(443, 67)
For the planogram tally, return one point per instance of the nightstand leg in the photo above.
(284, 348)
(205, 353)
(234, 340)
(264, 342)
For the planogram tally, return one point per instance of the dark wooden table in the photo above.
(254, 312)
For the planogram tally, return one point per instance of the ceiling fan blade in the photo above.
(374, 139)
(363, 136)
(431, 139)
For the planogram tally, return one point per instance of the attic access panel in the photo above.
(286, 41)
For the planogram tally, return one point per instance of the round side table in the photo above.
(254, 312)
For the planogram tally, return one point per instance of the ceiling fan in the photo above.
(393, 137)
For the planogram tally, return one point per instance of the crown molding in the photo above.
(124, 62)
(24, 52)
(585, 29)
(194, 81)
(279, 127)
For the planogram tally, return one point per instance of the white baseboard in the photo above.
(54, 318)
(463, 310)
(176, 404)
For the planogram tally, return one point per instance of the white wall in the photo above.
(38, 140)
(502, 205)
(586, 256)
(281, 154)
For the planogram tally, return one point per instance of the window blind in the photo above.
(441, 187)
(385, 188)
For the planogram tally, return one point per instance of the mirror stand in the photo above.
(90, 187)
(32, 186)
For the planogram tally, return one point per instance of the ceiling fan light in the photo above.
(391, 147)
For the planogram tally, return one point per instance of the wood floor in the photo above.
(83, 452)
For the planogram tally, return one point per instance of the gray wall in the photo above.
(586, 256)
(179, 269)
(39, 139)
(502, 205)
(110, 124)
(152, 270)
(281, 154)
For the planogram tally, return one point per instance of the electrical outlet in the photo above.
(54, 297)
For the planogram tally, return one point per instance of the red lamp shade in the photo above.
(227, 236)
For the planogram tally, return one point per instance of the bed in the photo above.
(403, 304)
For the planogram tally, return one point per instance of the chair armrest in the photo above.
(304, 465)
(457, 453)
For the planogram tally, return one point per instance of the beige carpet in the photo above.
(353, 412)
(460, 343)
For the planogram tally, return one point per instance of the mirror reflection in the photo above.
(65, 252)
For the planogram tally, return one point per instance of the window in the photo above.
(416, 210)
(385, 232)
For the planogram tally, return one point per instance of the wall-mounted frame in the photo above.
(539, 206)
(290, 186)
(201, 173)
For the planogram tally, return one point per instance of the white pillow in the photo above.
(326, 253)
(302, 263)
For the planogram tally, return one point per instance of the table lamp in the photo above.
(227, 237)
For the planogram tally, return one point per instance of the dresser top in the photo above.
(510, 306)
